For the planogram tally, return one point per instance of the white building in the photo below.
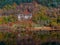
(24, 16)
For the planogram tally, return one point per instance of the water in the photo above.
(51, 43)
(2, 43)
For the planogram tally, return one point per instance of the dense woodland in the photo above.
(52, 3)
(43, 16)
(46, 13)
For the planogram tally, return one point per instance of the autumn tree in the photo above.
(10, 18)
(40, 17)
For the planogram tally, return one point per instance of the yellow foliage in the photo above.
(54, 23)
(1, 19)
(1, 36)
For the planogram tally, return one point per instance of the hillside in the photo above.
(39, 14)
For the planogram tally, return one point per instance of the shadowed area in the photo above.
(2, 43)
(51, 43)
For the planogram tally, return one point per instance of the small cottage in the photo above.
(26, 15)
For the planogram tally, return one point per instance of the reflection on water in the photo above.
(2, 43)
(31, 42)
(51, 43)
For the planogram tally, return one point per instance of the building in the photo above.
(26, 15)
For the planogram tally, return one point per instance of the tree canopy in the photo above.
(4, 2)
(52, 3)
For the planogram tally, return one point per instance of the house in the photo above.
(26, 10)
(26, 15)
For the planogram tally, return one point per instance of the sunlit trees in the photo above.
(5, 19)
(10, 18)
(1, 20)
(53, 23)
(40, 17)
(8, 6)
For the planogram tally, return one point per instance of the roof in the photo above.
(26, 12)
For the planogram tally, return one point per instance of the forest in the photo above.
(43, 26)
(52, 3)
